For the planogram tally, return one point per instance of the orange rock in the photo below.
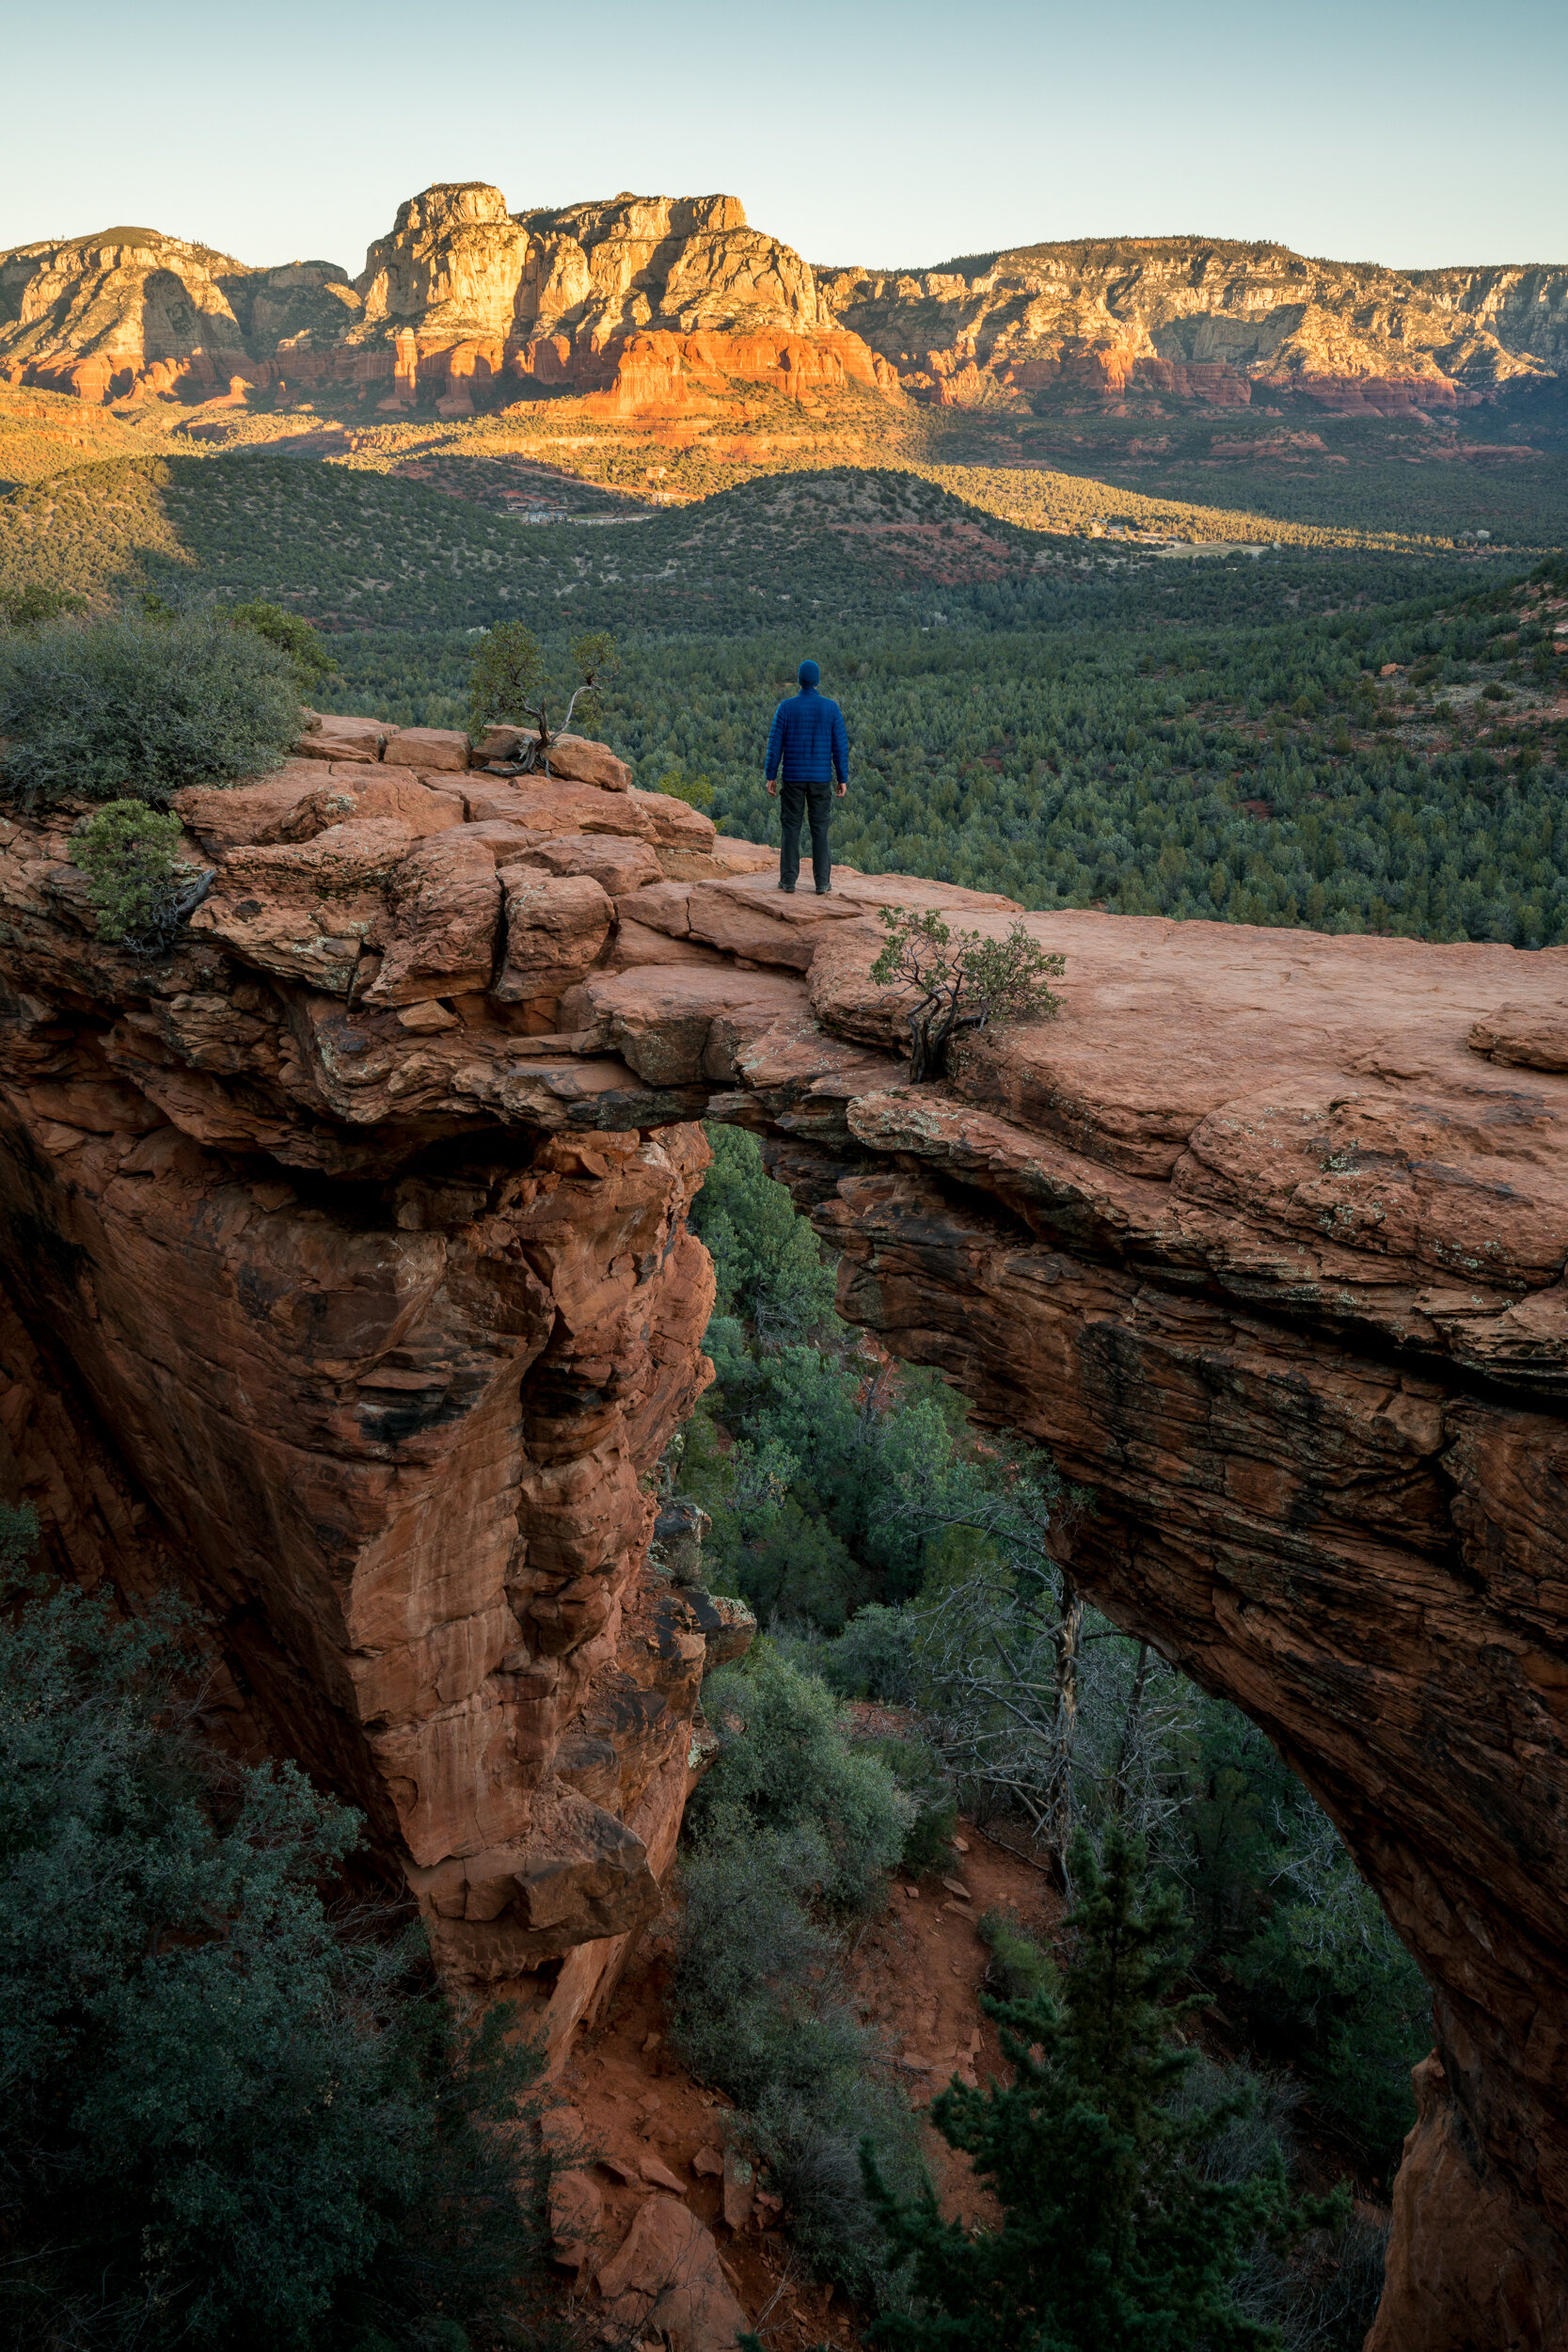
(666, 2280)
(579, 760)
(443, 907)
(441, 748)
(330, 736)
(555, 927)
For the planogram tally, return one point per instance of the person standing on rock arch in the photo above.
(811, 746)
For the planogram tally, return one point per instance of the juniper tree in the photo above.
(1111, 2235)
(961, 981)
(508, 684)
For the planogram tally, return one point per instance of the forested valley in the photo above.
(1348, 743)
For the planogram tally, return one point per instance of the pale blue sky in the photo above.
(878, 131)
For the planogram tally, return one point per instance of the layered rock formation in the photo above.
(650, 301)
(665, 303)
(359, 1223)
(100, 315)
(1526, 308)
(1198, 319)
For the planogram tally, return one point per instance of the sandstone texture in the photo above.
(1207, 320)
(353, 1233)
(666, 306)
(643, 302)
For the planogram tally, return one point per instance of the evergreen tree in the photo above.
(1111, 2235)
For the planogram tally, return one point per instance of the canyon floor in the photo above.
(917, 1971)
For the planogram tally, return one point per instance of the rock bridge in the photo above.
(350, 1284)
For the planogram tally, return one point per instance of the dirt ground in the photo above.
(916, 1973)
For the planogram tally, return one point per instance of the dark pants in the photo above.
(794, 800)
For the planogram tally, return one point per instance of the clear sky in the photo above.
(889, 132)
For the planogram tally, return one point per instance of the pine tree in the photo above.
(1111, 2235)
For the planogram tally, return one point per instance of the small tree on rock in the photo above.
(962, 981)
(508, 686)
(138, 886)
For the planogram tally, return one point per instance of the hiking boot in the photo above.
(788, 888)
(824, 890)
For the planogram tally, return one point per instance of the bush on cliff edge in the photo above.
(229, 2116)
(137, 709)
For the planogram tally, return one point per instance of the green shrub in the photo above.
(757, 2011)
(1019, 1969)
(874, 1656)
(127, 708)
(961, 981)
(933, 1814)
(766, 1258)
(136, 881)
(785, 1761)
(229, 2117)
(292, 635)
(792, 1833)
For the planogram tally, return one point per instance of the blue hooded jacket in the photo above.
(809, 736)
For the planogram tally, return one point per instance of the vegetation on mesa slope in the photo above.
(350, 546)
(1193, 738)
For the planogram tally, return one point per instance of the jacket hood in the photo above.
(809, 674)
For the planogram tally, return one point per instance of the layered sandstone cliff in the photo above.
(659, 303)
(1194, 319)
(353, 1233)
(653, 301)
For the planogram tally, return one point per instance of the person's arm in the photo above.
(775, 747)
(841, 752)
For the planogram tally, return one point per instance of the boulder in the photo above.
(365, 791)
(635, 947)
(579, 1874)
(260, 811)
(676, 1025)
(329, 736)
(304, 910)
(579, 760)
(728, 1626)
(1527, 1037)
(445, 749)
(444, 907)
(555, 927)
(740, 2188)
(616, 864)
(576, 2217)
(667, 2283)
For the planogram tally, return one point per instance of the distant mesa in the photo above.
(658, 305)
(1202, 320)
(645, 303)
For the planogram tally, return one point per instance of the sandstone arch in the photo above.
(352, 1285)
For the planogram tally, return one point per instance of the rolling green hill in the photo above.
(353, 548)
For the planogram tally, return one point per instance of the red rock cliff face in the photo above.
(353, 1232)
